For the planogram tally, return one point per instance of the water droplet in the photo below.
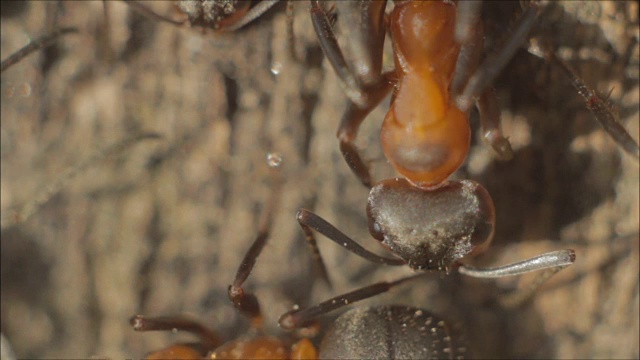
(276, 67)
(274, 160)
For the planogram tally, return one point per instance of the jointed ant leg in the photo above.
(298, 318)
(361, 82)
(494, 63)
(347, 133)
(469, 58)
(467, 17)
(252, 14)
(247, 303)
(208, 338)
(603, 113)
(490, 123)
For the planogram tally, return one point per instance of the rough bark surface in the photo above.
(161, 227)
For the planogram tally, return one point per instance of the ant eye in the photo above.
(376, 230)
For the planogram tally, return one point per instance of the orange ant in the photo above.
(414, 332)
(428, 222)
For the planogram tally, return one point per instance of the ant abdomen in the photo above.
(431, 229)
(389, 332)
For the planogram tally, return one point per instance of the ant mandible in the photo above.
(414, 332)
(428, 222)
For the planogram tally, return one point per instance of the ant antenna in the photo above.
(34, 45)
(298, 318)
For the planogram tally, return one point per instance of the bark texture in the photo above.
(161, 227)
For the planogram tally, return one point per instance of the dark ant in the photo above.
(410, 332)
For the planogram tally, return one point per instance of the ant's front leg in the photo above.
(466, 68)
(360, 74)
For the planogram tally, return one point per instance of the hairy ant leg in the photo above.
(601, 110)
(365, 86)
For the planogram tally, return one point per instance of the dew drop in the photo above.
(274, 159)
(276, 67)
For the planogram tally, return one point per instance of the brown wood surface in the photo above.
(161, 227)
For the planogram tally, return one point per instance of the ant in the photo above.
(427, 222)
(425, 135)
(413, 332)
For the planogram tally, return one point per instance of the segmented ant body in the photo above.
(388, 331)
(428, 222)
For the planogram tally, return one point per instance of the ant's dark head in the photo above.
(431, 229)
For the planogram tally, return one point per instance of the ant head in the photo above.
(431, 229)
(213, 14)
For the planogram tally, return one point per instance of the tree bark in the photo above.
(161, 227)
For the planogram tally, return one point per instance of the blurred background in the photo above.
(160, 227)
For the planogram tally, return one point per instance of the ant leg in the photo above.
(34, 45)
(490, 123)
(494, 63)
(248, 303)
(467, 17)
(252, 14)
(551, 262)
(208, 338)
(299, 318)
(603, 112)
(362, 83)
(309, 220)
(469, 57)
(347, 133)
